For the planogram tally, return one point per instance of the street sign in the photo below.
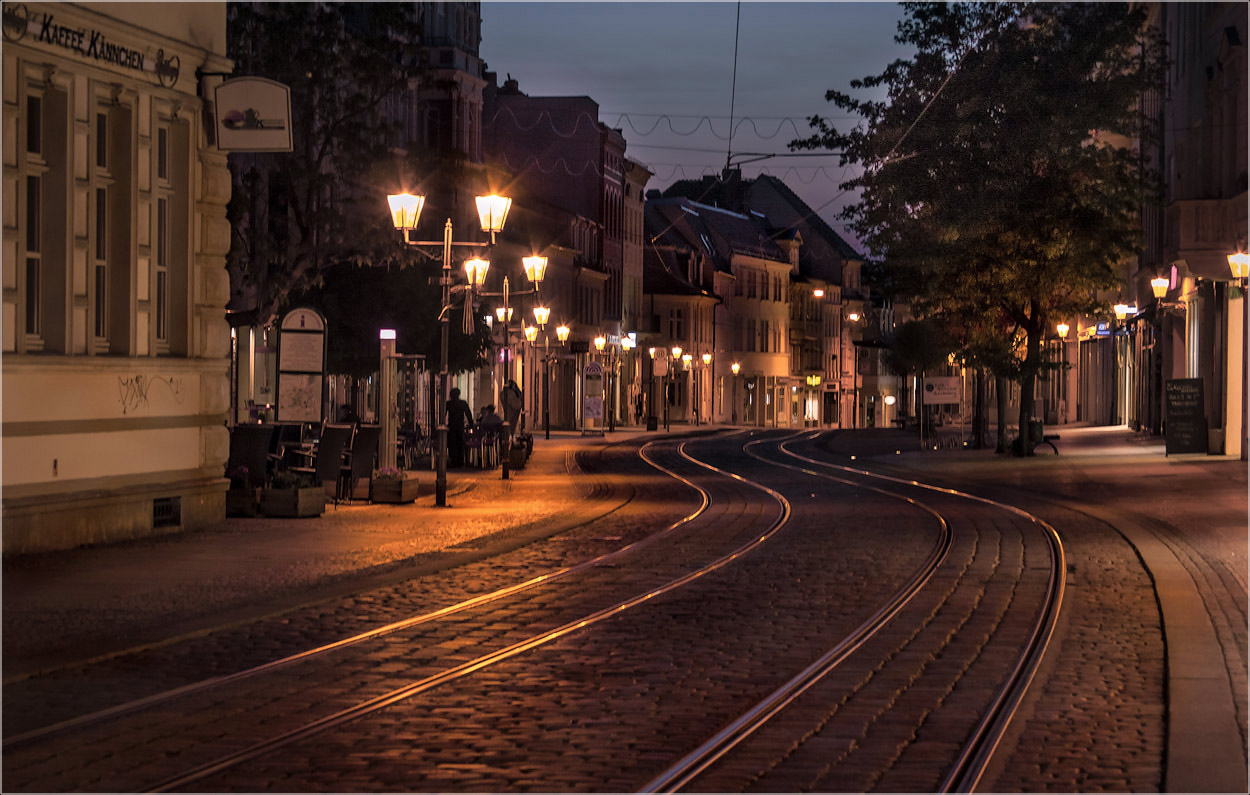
(941, 389)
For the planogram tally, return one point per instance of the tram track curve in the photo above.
(975, 754)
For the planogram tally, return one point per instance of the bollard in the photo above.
(505, 447)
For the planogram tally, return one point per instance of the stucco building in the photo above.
(115, 235)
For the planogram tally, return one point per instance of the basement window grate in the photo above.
(167, 512)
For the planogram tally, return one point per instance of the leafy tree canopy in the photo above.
(1000, 183)
(360, 301)
(294, 213)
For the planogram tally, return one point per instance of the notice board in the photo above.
(1185, 429)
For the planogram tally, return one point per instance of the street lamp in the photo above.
(706, 374)
(733, 414)
(405, 213)
(1239, 263)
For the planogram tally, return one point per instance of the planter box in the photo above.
(517, 457)
(402, 490)
(293, 502)
(243, 502)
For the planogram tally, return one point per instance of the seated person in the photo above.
(488, 420)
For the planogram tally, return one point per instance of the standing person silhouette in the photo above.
(510, 402)
(459, 415)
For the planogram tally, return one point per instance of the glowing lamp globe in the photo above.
(492, 211)
(535, 268)
(1239, 263)
(405, 210)
(476, 269)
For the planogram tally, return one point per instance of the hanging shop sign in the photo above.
(43, 28)
(253, 115)
(1185, 419)
(301, 366)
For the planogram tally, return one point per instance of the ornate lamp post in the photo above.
(733, 414)
(405, 212)
(650, 389)
(627, 363)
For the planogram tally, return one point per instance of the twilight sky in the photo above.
(645, 61)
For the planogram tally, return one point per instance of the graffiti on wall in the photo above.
(133, 391)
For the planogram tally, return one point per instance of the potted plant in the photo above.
(393, 486)
(292, 494)
(242, 499)
(518, 454)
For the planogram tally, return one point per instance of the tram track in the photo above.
(976, 752)
(745, 529)
(591, 565)
(541, 579)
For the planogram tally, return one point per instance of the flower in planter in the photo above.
(238, 477)
(388, 473)
(286, 479)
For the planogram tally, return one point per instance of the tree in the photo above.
(359, 301)
(295, 213)
(999, 184)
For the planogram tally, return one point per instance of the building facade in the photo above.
(1196, 327)
(115, 342)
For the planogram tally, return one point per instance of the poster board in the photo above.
(301, 366)
(1185, 429)
(592, 396)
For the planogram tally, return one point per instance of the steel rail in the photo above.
(978, 751)
(428, 683)
(156, 699)
(714, 748)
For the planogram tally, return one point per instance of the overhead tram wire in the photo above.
(733, 90)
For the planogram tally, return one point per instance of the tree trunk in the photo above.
(1001, 385)
(1028, 378)
(980, 418)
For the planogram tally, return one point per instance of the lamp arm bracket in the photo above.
(439, 244)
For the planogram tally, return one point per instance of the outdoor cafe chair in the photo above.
(328, 459)
(364, 451)
(249, 447)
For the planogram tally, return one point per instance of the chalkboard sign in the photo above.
(1186, 422)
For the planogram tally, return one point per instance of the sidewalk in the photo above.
(110, 597)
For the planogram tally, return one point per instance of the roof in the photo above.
(709, 230)
(661, 269)
(743, 195)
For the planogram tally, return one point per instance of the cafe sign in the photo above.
(40, 27)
